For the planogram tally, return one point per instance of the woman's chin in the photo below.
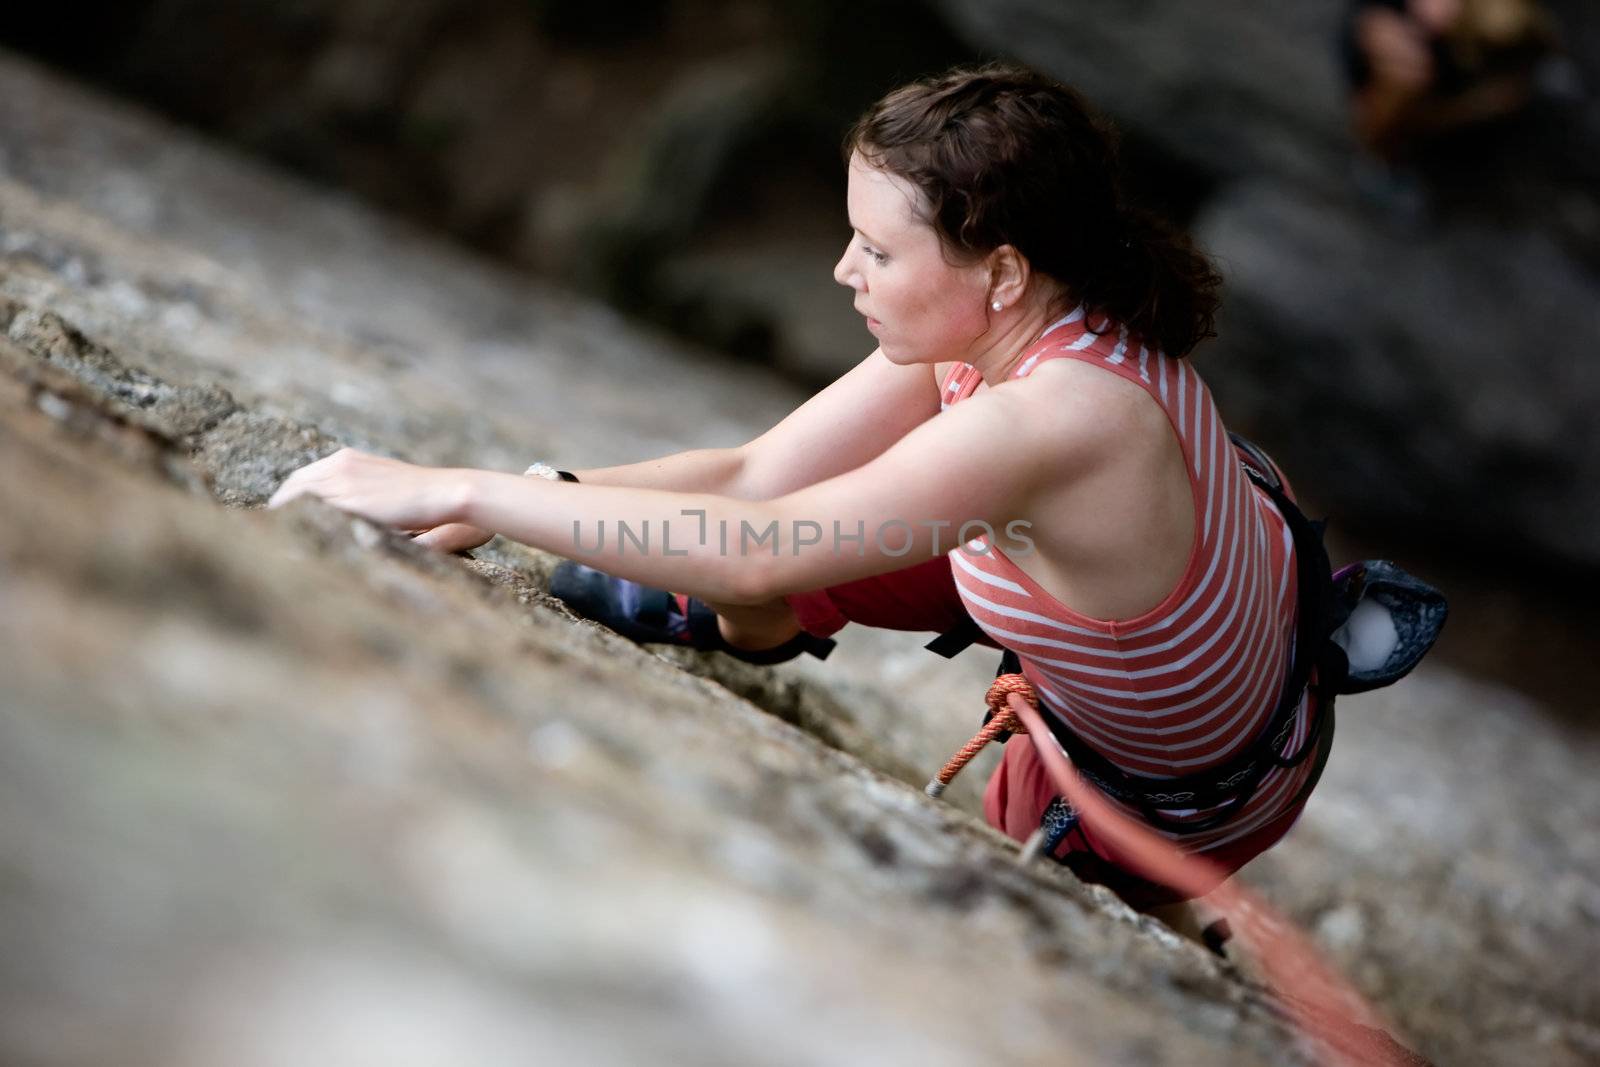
(899, 356)
(894, 353)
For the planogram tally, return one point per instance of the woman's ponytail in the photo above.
(1154, 281)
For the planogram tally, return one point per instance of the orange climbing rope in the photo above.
(1343, 1028)
(1002, 721)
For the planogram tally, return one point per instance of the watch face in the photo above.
(543, 470)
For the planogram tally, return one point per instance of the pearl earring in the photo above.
(997, 306)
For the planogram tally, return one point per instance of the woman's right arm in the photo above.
(711, 470)
(849, 423)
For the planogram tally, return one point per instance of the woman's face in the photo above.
(919, 307)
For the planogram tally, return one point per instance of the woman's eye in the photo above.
(877, 257)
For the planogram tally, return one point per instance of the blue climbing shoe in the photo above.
(655, 616)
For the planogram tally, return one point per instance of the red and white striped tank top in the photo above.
(1186, 685)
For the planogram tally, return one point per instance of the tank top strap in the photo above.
(961, 382)
(963, 379)
(1114, 348)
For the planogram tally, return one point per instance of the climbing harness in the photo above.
(1058, 820)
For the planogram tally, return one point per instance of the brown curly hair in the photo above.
(1004, 155)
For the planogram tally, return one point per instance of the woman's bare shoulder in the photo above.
(1078, 392)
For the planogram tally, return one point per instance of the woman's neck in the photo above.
(1009, 339)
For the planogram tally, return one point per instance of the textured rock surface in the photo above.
(1450, 865)
(276, 791)
(259, 769)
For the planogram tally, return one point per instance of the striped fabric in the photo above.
(1187, 685)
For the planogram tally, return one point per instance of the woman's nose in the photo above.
(845, 273)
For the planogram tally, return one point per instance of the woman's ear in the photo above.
(1008, 275)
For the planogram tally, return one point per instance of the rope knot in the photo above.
(1004, 686)
(1002, 721)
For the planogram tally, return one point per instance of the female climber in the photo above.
(1027, 447)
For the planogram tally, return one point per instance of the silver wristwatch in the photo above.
(549, 473)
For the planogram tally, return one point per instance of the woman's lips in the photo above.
(872, 323)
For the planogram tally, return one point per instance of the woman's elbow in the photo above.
(759, 578)
(750, 581)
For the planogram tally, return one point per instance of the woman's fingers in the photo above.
(384, 491)
(300, 481)
(453, 537)
(286, 492)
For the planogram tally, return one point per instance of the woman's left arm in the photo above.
(981, 461)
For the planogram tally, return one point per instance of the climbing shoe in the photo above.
(655, 616)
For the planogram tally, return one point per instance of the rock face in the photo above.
(278, 788)
(278, 791)
(1461, 404)
(1445, 866)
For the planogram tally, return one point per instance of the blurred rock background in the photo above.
(230, 792)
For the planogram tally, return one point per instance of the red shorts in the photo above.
(923, 597)
(920, 597)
